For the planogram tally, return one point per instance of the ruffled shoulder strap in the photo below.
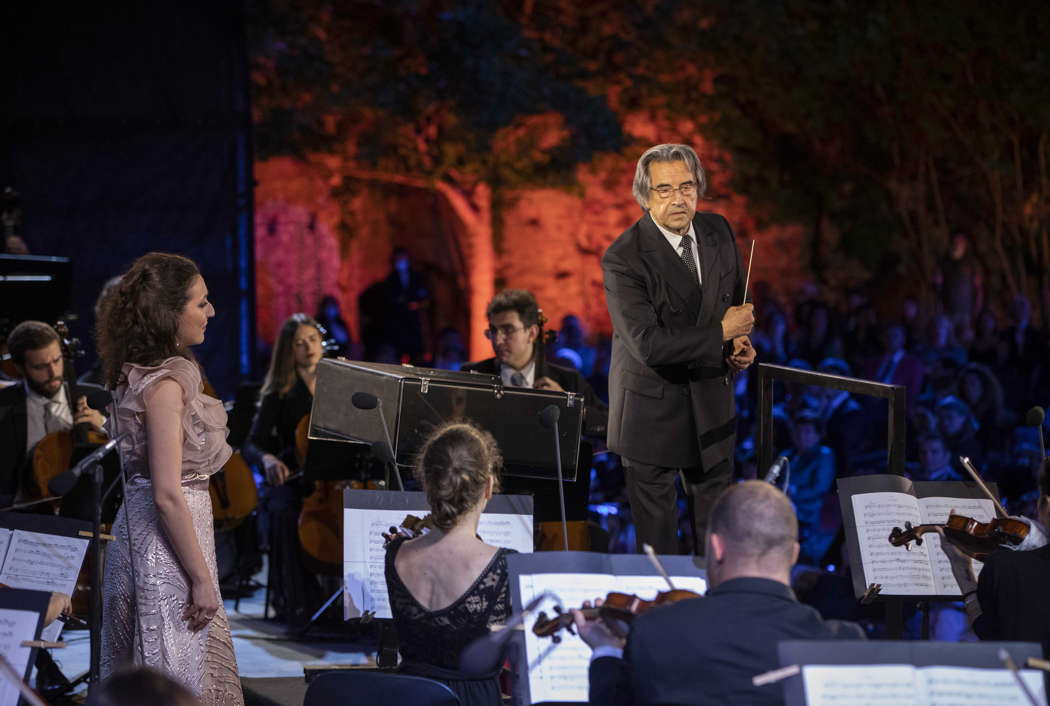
(141, 377)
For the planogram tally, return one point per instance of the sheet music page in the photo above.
(43, 562)
(899, 570)
(871, 685)
(364, 556)
(969, 686)
(558, 672)
(5, 542)
(935, 512)
(15, 626)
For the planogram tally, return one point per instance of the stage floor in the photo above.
(261, 646)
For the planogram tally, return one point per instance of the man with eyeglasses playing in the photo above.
(675, 290)
(513, 316)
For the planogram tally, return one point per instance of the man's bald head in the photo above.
(757, 526)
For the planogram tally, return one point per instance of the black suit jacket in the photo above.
(706, 650)
(595, 413)
(1012, 591)
(13, 430)
(670, 398)
(14, 461)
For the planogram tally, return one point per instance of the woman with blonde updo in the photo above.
(161, 595)
(447, 587)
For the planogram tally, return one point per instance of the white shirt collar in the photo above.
(674, 238)
(528, 372)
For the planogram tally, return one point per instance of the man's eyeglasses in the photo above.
(494, 332)
(688, 189)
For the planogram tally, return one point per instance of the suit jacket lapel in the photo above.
(710, 254)
(668, 263)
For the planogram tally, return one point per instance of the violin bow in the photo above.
(651, 553)
(977, 479)
(1008, 661)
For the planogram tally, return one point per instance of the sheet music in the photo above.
(558, 672)
(15, 626)
(364, 556)
(43, 562)
(961, 686)
(899, 570)
(906, 685)
(853, 685)
(935, 511)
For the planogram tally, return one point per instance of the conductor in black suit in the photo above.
(706, 650)
(675, 290)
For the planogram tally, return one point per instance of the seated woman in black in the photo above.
(448, 586)
(286, 397)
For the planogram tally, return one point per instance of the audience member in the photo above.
(959, 429)
(812, 487)
(935, 460)
(896, 366)
(940, 343)
(988, 346)
(706, 650)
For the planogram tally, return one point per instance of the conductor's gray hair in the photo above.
(666, 153)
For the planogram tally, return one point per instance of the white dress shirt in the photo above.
(676, 242)
(528, 372)
(45, 414)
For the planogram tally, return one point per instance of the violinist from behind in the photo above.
(1009, 601)
(36, 406)
(706, 650)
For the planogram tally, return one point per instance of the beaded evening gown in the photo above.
(154, 589)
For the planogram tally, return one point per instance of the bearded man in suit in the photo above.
(671, 281)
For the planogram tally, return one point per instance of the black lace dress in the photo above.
(431, 641)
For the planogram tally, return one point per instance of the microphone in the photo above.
(775, 470)
(1035, 418)
(549, 416)
(485, 654)
(366, 401)
(64, 482)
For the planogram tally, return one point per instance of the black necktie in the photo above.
(687, 257)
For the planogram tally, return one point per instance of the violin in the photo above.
(622, 607)
(410, 527)
(975, 539)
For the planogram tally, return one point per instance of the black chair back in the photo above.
(373, 688)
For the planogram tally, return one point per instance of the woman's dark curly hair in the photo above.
(454, 467)
(138, 320)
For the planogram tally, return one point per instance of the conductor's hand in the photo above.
(738, 321)
(276, 471)
(202, 605)
(545, 383)
(743, 353)
(595, 632)
(85, 414)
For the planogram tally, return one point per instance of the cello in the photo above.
(233, 492)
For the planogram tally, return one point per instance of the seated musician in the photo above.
(706, 650)
(285, 399)
(1009, 601)
(447, 587)
(514, 318)
(38, 406)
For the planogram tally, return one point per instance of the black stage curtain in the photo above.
(127, 130)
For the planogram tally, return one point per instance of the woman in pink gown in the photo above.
(161, 595)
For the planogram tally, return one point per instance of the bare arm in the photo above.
(164, 440)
